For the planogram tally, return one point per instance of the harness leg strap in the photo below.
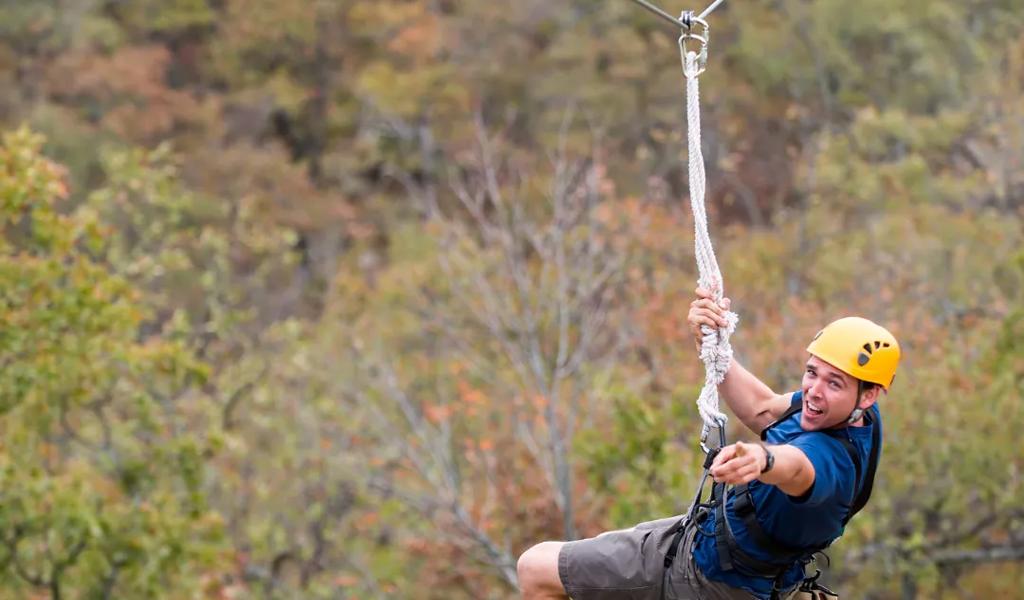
(673, 548)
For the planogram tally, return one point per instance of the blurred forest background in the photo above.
(360, 299)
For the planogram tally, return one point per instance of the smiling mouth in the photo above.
(814, 410)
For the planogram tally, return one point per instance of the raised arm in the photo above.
(749, 398)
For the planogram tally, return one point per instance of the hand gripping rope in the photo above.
(715, 351)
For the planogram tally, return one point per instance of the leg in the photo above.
(538, 573)
(626, 564)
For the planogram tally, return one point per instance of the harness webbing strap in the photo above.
(725, 542)
(673, 548)
(732, 557)
(743, 507)
(869, 479)
(795, 406)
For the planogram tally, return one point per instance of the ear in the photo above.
(869, 397)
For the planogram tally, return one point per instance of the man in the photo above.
(791, 497)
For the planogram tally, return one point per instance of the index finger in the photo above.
(726, 454)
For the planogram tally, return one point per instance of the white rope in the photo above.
(715, 350)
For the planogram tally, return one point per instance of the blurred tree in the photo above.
(102, 464)
(518, 311)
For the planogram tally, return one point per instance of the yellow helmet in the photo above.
(860, 348)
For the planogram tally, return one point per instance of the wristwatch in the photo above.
(769, 459)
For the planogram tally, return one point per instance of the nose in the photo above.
(816, 389)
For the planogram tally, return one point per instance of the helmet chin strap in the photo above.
(857, 410)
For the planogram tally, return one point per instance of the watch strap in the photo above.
(769, 461)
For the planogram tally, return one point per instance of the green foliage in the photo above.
(253, 294)
(838, 54)
(167, 17)
(200, 262)
(646, 460)
(103, 490)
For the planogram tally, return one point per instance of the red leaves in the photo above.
(127, 87)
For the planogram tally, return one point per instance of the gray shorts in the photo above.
(629, 564)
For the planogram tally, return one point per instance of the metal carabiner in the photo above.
(712, 450)
(701, 38)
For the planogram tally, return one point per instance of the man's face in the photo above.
(829, 395)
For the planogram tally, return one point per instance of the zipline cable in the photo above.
(683, 22)
(707, 11)
(664, 15)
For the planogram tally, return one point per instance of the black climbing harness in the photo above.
(733, 558)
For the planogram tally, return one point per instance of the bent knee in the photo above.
(538, 569)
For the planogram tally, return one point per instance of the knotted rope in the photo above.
(715, 350)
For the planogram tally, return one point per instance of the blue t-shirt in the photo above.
(809, 521)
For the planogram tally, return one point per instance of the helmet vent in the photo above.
(862, 359)
(867, 347)
(885, 345)
(878, 344)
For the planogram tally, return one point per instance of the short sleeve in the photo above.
(834, 472)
